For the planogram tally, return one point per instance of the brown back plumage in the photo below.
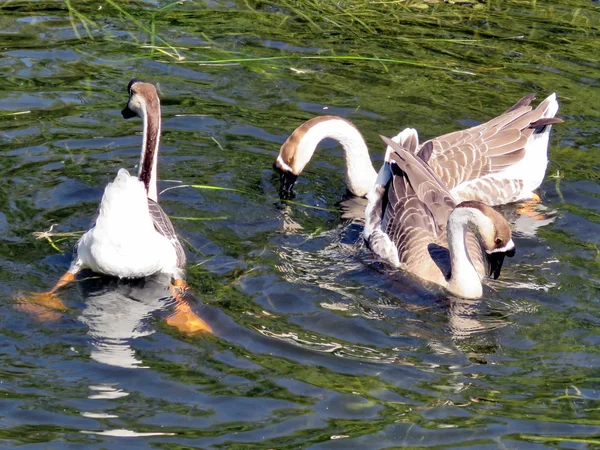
(415, 216)
(488, 148)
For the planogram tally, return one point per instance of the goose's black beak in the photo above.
(286, 183)
(496, 259)
(127, 113)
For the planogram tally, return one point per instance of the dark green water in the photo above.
(314, 346)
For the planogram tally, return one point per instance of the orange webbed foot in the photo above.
(44, 306)
(529, 208)
(184, 319)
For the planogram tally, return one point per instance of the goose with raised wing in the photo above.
(413, 223)
(132, 237)
(501, 161)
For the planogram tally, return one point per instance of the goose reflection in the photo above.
(351, 284)
(527, 218)
(352, 212)
(120, 311)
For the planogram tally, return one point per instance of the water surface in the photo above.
(315, 345)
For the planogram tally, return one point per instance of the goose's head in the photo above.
(142, 98)
(297, 150)
(287, 179)
(494, 233)
(290, 161)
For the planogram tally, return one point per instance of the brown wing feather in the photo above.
(465, 155)
(412, 212)
(525, 101)
(163, 225)
(409, 224)
(417, 209)
(426, 151)
(544, 121)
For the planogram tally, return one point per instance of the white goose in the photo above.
(500, 161)
(413, 223)
(132, 237)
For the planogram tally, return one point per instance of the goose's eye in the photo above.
(498, 241)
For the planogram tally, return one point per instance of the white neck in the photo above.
(150, 146)
(464, 279)
(360, 174)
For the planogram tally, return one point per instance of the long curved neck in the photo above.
(464, 279)
(149, 154)
(360, 174)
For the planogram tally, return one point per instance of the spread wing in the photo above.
(163, 225)
(407, 217)
(411, 211)
(488, 148)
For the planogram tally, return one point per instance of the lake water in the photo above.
(314, 345)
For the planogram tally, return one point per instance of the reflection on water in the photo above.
(106, 392)
(117, 312)
(98, 415)
(527, 218)
(465, 319)
(125, 433)
(327, 261)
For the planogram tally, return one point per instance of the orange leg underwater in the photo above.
(529, 208)
(44, 305)
(184, 319)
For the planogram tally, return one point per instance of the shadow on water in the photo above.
(315, 345)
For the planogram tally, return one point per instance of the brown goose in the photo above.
(500, 161)
(413, 223)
